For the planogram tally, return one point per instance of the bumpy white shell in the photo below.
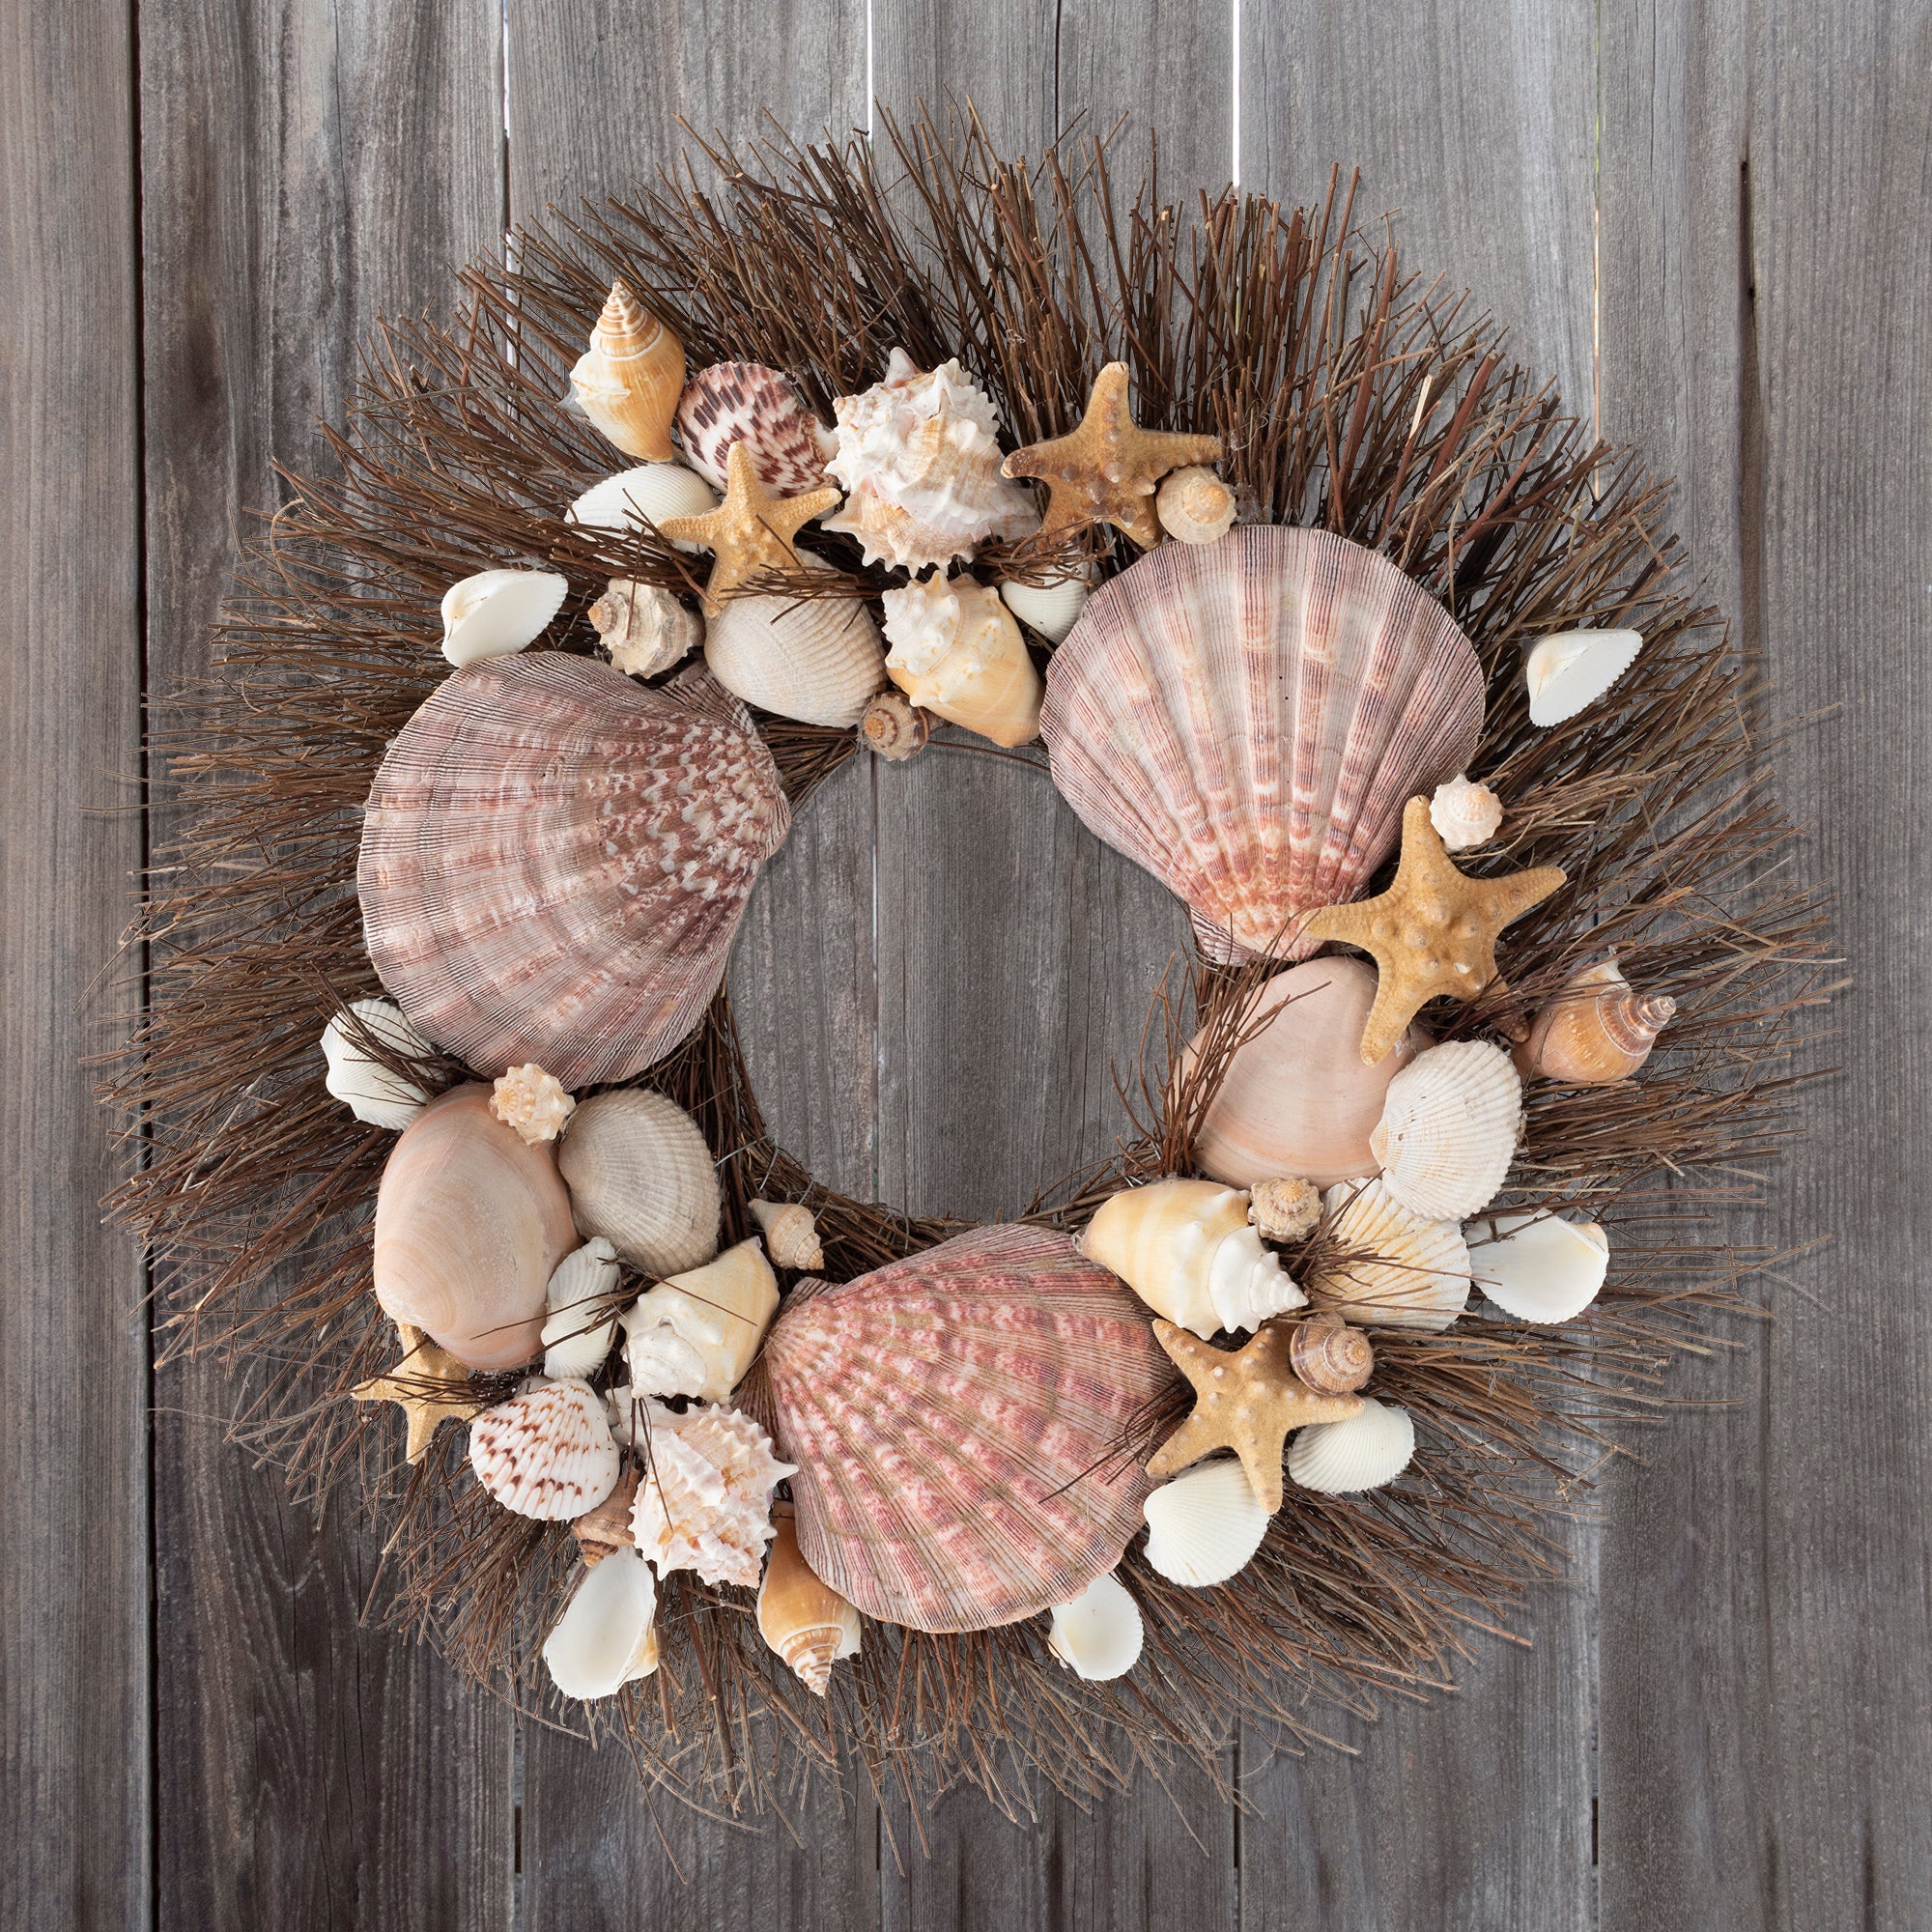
(1098, 1634)
(650, 492)
(956, 651)
(1414, 1272)
(498, 612)
(532, 1101)
(705, 1502)
(644, 628)
(1361, 1452)
(576, 1340)
(607, 1637)
(1448, 1128)
(363, 1082)
(1540, 1268)
(1205, 1524)
(815, 659)
(1574, 668)
(1050, 609)
(698, 1332)
(745, 402)
(640, 1175)
(1465, 814)
(919, 456)
(546, 1453)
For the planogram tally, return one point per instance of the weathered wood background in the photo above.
(1709, 218)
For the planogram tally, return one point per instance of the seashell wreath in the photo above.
(1321, 612)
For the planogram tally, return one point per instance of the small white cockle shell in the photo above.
(607, 1634)
(575, 1340)
(1539, 1267)
(1465, 814)
(547, 1453)
(650, 492)
(1098, 1634)
(498, 612)
(362, 1082)
(1361, 1452)
(1573, 669)
(1205, 1524)
(1448, 1129)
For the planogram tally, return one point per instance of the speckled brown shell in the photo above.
(962, 1426)
(554, 861)
(745, 402)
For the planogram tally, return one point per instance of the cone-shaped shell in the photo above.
(815, 659)
(806, 1621)
(361, 1081)
(554, 861)
(1361, 1452)
(791, 1233)
(1539, 1267)
(1205, 1524)
(470, 1223)
(641, 1176)
(629, 381)
(1297, 1098)
(607, 1637)
(957, 1420)
(1099, 1633)
(958, 652)
(1596, 1030)
(1409, 1273)
(1187, 1248)
(547, 1453)
(1247, 719)
(745, 402)
(696, 1333)
(1448, 1129)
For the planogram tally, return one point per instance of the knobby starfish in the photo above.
(412, 1385)
(750, 532)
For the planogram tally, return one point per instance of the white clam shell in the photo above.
(1539, 1267)
(1574, 668)
(648, 494)
(498, 612)
(1098, 1634)
(1414, 1272)
(958, 652)
(698, 1332)
(547, 1453)
(815, 659)
(1205, 1525)
(1050, 609)
(1448, 1129)
(363, 1084)
(1465, 814)
(640, 1175)
(1361, 1452)
(575, 1341)
(607, 1637)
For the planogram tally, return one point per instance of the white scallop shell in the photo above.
(1361, 1452)
(1050, 609)
(575, 1340)
(1414, 1272)
(956, 651)
(607, 1637)
(498, 612)
(363, 1082)
(648, 494)
(1205, 1524)
(1098, 1634)
(705, 1502)
(546, 1453)
(1449, 1126)
(815, 659)
(640, 1175)
(1465, 814)
(1539, 1267)
(1574, 668)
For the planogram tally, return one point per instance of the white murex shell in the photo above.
(698, 1332)
(1574, 668)
(1448, 1129)
(1361, 1452)
(958, 652)
(1051, 609)
(1414, 1272)
(648, 494)
(815, 659)
(362, 1082)
(1205, 1525)
(498, 612)
(1465, 814)
(1098, 1634)
(705, 1502)
(607, 1637)
(547, 1453)
(644, 627)
(576, 1339)
(1541, 1267)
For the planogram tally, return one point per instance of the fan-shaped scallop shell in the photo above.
(1247, 719)
(961, 1425)
(745, 402)
(546, 1453)
(1405, 1271)
(1204, 1524)
(1361, 1452)
(815, 659)
(1448, 1129)
(554, 861)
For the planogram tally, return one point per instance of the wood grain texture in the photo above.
(74, 1778)
(301, 166)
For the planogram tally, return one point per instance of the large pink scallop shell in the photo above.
(745, 402)
(554, 861)
(962, 1423)
(1247, 719)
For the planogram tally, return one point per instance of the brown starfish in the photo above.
(1105, 471)
(412, 1385)
(750, 532)
(1247, 1402)
(1432, 932)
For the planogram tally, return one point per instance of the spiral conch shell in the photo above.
(640, 1175)
(1185, 1248)
(1411, 1272)
(705, 1502)
(629, 381)
(644, 628)
(607, 1637)
(1328, 1355)
(956, 651)
(745, 402)
(1596, 1030)
(806, 1621)
(1465, 814)
(361, 1081)
(547, 1453)
(698, 1332)
(919, 456)
(533, 1102)
(791, 1233)
(1448, 1129)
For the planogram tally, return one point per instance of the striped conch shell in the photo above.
(1328, 1355)
(1596, 1030)
(791, 1234)
(806, 1621)
(629, 381)
(745, 402)
(644, 627)
(957, 653)
(698, 1332)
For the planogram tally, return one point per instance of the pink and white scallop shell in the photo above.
(554, 861)
(1247, 719)
(745, 402)
(964, 1426)
(706, 1501)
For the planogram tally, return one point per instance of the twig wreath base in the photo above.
(1346, 398)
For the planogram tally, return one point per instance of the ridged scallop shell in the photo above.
(745, 402)
(958, 1421)
(623, 503)
(1413, 1272)
(705, 1503)
(1050, 609)
(629, 380)
(805, 1620)
(1361, 1452)
(1541, 1267)
(1099, 1635)
(547, 1453)
(1448, 1129)
(640, 1175)
(696, 1332)
(957, 653)
(1205, 1525)
(579, 1324)
(1465, 814)
(1247, 719)
(815, 659)
(1597, 1029)
(361, 1081)
(607, 1637)
(554, 861)
(919, 456)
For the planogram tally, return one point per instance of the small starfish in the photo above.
(1247, 1402)
(1432, 932)
(1105, 471)
(411, 1387)
(750, 532)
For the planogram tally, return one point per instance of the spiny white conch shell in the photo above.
(1098, 1634)
(791, 1234)
(640, 1175)
(1186, 1249)
(1448, 1129)
(815, 659)
(1361, 1452)
(804, 1619)
(531, 1101)
(362, 1082)
(1465, 814)
(1413, 1272)
(698, 1332)
(704, 1504)
(629, 381)
(1573, 669)
(1541, 1267)
(1194, 505)
(607, 1637)
(1050, 609)
(919, 456)
(956, 651)
(498, 612)
(624, 504)
(1205, 1525)
(644, 628)
(745, 402)
(547, 1453)
(1595, 1030)
(580, 1326)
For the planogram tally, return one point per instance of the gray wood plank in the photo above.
(1475, 124)
(74, 1729)
(1765, 1747)
(301, 166)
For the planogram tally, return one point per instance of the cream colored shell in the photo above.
(629, 381)
(698, 1332)
(623, 503)
(607, 1637)
(547, 1453)
(1205, 1525)
(531, 1102)
(1050, 609)
(1361, 1452)
(579, 1324)
(1449, 1129)
(1405, 1271)
(1098, 1634)
(791, 1233)
(815, 659)
(705, 1502)
(498, 612)
(640, 1175)
(1194, 505)
(956, 651)
(1540, 1269)
(1569, 671)
(1596, 1030)
(1465, 814)
(644, 628)
(361, 1081)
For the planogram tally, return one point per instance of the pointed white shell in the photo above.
(364, 1085)
(640, 1175)
(1050, 609)
(1540, 1268)
(1448, 1129)
(1414, 1272)
(698, 1332)
(1205, 1524)
(607, 1637)
(1465, 814)
(1573, 669)
(1362, 1452)
(574, 1342)
(1098, 1634)
(705, 1501)
(815, 659)
(956, 651)
(546, 1453)
(498, 612)
(650, 492)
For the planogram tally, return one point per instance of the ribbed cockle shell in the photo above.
(1398, 1271)
(745, 402)
(629, 380)
(1596, 1030)
(1361, 1452)
(641, 1176)
(1448, 1129)
(815, 659)
(363, 1083)
(547, 1453)
(806, 1621)
(1204, 1524)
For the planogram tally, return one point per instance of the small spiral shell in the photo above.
(1331, 1357)
(894, 726)
(1596, 1030)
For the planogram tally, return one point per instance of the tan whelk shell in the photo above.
(1361, 1452)
(1284, 1209)
(1569, 671)
(554, 861)
(546, 1453)
(1097, 1635)
(815, 659)
(698, 1332)
(704, 1504)
(745, 402)
(1465, 814)
(606, 1529)
(1596, 1030)
(1247, 719)
(607, 1637)
(644, 628)
(629, 380)
(1539, 1267)
(1328, 1355)
(806, 1621)
(894, 726)
(791, 1233)
(622, 504)
(498, 612)
(531, 1101)
(1194, 505)
(1449, 1129)
(1407, 1270)
(641, 1176)
(1050, 609)
(362, 1082)
(1205, 1525)
(580, 1324)
(958, 652)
